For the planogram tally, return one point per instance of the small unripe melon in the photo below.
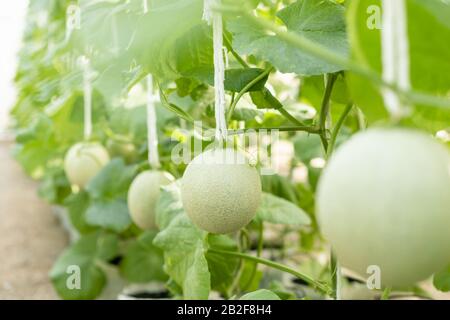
(221, 191)
(83, 161)
(122, 149)
(384, 200)
(143, 194)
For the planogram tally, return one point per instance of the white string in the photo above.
(395, 54)
(207, 11)
(215, 19)
(152, 133)
(145, 6)
(404, 80)
(87, 88)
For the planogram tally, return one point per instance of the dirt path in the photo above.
(30, 235)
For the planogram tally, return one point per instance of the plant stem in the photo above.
(325, 110)
(245, 90)
(345, 63)
(334, 275)
(233, 96)
(316, 284)
(360, 119)
(328, 147)
(290, 117)
(229, 46)
(166, 103)
(337, 128)
(141, 76)
(242, 246)
(309, 129)
(258, 254)
(260, 239)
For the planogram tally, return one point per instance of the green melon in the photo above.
(221, 191)
(122, 149)
(384, 200)
(83, 161)
(143, 195)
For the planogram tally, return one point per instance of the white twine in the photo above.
(215, 19)
(84, 63)
(395, 54)
(152, 133)
(208, 14)
(145, 6)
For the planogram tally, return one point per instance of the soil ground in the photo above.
(31, 237)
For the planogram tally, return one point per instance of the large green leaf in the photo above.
(262, 294)
(105, 27)
(168, 206)
(55, 187)
(108, 191)
(112, 181)
(77, 204)
(105, 34)
(170, 40)
(143, 261)
(222, 268)
(131, 122)
(308, 147)
(83, 256)
(192, 54)
(441, 280)
(264, 99)
(237, 79)
(109, 214)
(317, 20)
(185, 249)
(280, 211)
(37, 146)
(246, 114)
(280, 187)
(184, 246)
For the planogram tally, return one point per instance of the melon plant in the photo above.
(310, 72)
(83, 161)
(384, 200)
(143, 195)
(221, 191)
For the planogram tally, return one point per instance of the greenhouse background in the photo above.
(336, 114)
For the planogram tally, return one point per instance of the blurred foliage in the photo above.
(170, 41)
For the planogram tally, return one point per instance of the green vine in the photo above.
(322, 287)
